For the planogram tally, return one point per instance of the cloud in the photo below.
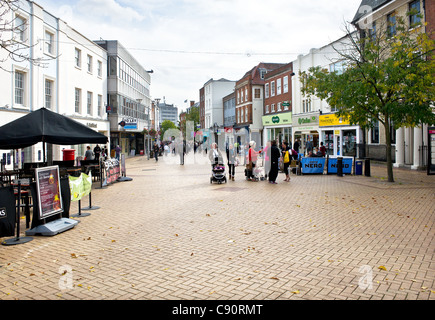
(187, 42)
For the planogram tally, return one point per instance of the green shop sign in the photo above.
(277, 119)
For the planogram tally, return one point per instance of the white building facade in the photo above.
(214, 92)
(70, 77)
(313, 119)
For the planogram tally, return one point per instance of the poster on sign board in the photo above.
(48, 191)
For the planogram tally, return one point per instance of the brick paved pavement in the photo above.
(170, 234)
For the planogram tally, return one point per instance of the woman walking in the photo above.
(274, 162)
(231, 156)
(286, 160)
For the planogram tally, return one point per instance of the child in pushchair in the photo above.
(218, 168)
(218, 173)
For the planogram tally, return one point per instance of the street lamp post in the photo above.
(157, 101)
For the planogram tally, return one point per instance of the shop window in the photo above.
(375, 132)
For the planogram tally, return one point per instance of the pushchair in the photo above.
(218, 173)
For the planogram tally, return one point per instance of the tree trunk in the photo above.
(389, 158)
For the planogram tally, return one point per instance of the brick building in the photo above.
(277, 119)
(249, 91)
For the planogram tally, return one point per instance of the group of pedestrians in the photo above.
(272, 155)
(96, 153)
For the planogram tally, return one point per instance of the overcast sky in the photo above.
(188, 42)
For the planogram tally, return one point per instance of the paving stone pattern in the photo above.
(170, 234)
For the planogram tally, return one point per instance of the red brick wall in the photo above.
(430, 17)
(272, 77)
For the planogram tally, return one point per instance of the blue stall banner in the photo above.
(347, 165)
(313, 165)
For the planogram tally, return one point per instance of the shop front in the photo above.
(127, 133)
(338, 136)
(306, 130)
(277, 127)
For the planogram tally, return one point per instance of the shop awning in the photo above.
(47, 126)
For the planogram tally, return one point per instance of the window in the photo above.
(49, 39)
(267, 109)
(272, 89)
(285, 84)
(20, 28)
(241, 95)
(266, 90)
(100, 105)
(48, 94)
(375, 132)
(77, 100)
(246, 114)
(392, 132)
(278, 86)
(89, 64)
(112, 66)
(414, 13)
(337, 67)
(238, 97)
(246, 94)
(100, 69)
(391, 25)
(306, 105)
(373, 31)
(262, 73)
(272, 109)
(242, 113)
(257, 93)
(279, 106)
(78, 58)
(19, 87)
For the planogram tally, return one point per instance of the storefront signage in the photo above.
(307, 120)
(278, 119)
(48, 191)
(313, 165)
(129, 123)
(91, 125)
(347, 165)
(326, 120)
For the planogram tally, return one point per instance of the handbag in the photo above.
(286, 157)
(249, 166)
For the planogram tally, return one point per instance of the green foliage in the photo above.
(166, 124)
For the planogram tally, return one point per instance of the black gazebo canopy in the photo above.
(47, 126)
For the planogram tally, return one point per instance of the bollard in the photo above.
(339, 166)
(367, 167)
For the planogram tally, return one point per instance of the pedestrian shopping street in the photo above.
(170, 234)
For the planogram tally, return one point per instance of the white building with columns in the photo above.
(70, 77)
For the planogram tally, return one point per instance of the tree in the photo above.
(13, 43)
(387, 78)
(193, 116)
(166, 124)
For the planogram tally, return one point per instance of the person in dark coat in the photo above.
(97, 152)
(274, 162)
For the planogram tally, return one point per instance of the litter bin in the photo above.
(367, 167)
(358, 168)
(339, 166)
(68, 154)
